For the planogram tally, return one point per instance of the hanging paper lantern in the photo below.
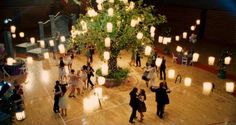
(187, 81)
(42, 43)
(227, 60)
(229, 87)
(207, 88)
(148, 50)
(13, 29)
(109, 27)
(139, 35)
(125, 1)
(14, 36)
(46, 55)
(84, 25)
(63, 38)
(104, 69)
(198, 21)
(107, 42)
(110, 12)
(92, 13)
(160, 39)
(165, 40)
(195, 57)
(184, 35)
(179, 48)
(98, 92)
(106, 55)
(171, 73)
(22, 34)
(133, 23)
(131, 5)
(51, 42)
(193, 28)
(61, 48)
(101, 80)
(32, 40)
(152, 29)
(10, 61)
(99, 1)
(99, 6)
(111, 1)
(168, 39)
(176, 38)
(211, 60)
(29, 60)
(158, 62)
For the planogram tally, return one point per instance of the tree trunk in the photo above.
(112, 64)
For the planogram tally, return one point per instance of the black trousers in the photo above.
(164, 74)
(160, 110)
(56, 103)
(89, 81)
(138, 62)
(133, 114)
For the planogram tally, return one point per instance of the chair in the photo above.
(4, 72)
(174, 58)
(184, 60)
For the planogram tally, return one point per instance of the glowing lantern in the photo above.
(98, 92)
(158, 62)
(165, 40)
(131, 5)
(13, 35)
(51, 42)
(211, 60)
(106, 55)
(13, 29)
(101, 80)
(133, 23)
(29, 60)
(22, 34)
(61, 48)
(104, 69)
(179, 48)
(160, 39)
(125, 1)
(207, 88)
(109, 27)
(20, 115)
(229, 87)
(110, 12)
(92, 13)
(176, 38)
(139, 35)
(227, 60)
(107, 42)
(63, 38)
(152, 29)
(168, 39)
(84, 25)
(193, 28)
(195, 57)
(32, 40)
(198, 21)
(10, 61)
(99, 6)
(152, 34)
(171, 73)
(184, 35)
(46, 55)
(99, 1)
(187, 81)
(111, 1)
(42, 43)
(148, 50)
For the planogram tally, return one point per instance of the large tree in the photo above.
(127, 18)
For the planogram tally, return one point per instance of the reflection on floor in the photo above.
(187, 104)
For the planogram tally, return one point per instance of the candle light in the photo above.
(20, 115)
(198, 21)
(61, 48)
(51, 42)
(187, 81)
(14, 36)
(229, 87)
(106, 55)
(160, 39)
(195, 57)
(101, 80)
(227, 60)
(139, 35)
(193, 28)
(13, 29)
(176, 38)
(207, 88)
(171, 73)
(10, 61)
(184, 35)
(211, 60)
(22, 34)
(32, 40)
(109, 27)
(148, 50)
(104, 69)
(107, 42)
(179, 48)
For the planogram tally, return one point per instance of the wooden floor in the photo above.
(187, 104)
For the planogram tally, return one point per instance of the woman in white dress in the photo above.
(73, 82)
(152, 75)
(63, 104)
(83, 76)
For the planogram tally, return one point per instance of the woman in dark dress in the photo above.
(142, 106)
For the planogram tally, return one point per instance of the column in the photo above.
(41, 30)
(202, 26)
(8, 44)
(53, 26)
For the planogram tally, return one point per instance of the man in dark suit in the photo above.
(163, 68)
(161, 98)
(133, 103)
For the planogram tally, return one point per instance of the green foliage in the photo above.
(120, 74)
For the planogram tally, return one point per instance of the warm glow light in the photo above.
(227, 60)
(168, 39)
(101, 80)
(104, 69)
(187, 81)
(160, 39)
(125, 1)
(110, 12)
(32, 40)
(139, 35)
(198, 21)
(111, 1)
(133, 23)
(90, 103)
(179, 48)
(84, 26)
(176, 38)
(46, 55)
(148, 50)
(98, 92)
(171, 73)
(131, 5)
(51, 43)
(22, 34)
(13, 35)
(106, 55)
(207, 88)
(61, 48)
(99, 1)
(211, 60)
(152, 29)
(165, 40)
(195, 57)
(184, 35)
(13, 29)
(63, 38)
(29, 60)
(10, 61)
(193, 28)
(152, 35)
(158, 62)
(229, 87)
(92, 13)
(42, 43)
(109, 27)
(107, 42)
(99, 6)
(20, 115)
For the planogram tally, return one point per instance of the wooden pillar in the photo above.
(53, 26)
(41, 30)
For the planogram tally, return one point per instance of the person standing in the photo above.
(89, 75)
(63, 104)
(70, 58)
(163, 69)
(161, 98)
(133, 104)
(62, 72)
(142, 106)
(83, 76)
(57, 94)
(138, 59)
(73, 81)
